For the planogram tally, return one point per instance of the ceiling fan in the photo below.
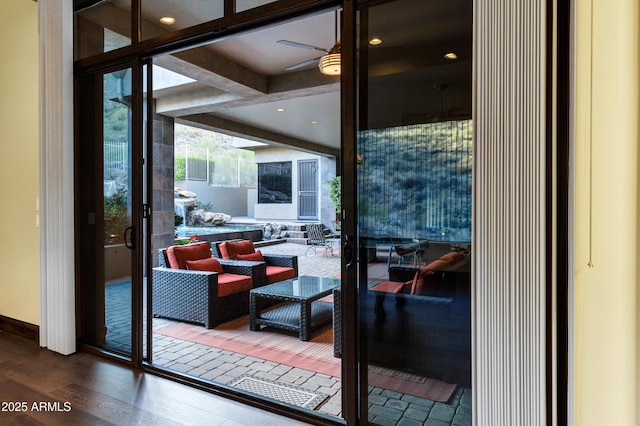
(304, 46)
(442, 115)
(328, 62)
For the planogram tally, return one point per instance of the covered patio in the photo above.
(187, 348)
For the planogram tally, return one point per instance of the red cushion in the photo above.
(438, 265)
(210, 264)
(233, 283)
(230, 249)
(389, 287)
(452, 257)
(426, 282)
(404, 251)
(279, 273)
(178, 255)
(255, 257)
(222, 248)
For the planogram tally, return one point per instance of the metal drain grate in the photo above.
(283, 392)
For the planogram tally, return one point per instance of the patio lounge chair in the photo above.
(316, 238)
(403, 248)
(185, 288)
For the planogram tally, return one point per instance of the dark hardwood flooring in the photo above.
(84, 389)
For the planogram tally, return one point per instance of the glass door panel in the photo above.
(118, 231)
(414, 146)
(225, 167)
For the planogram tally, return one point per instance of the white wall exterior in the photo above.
(289, 212)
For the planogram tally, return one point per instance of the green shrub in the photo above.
(178, 219)
(335, 192)
(180, 168)
(115, 218)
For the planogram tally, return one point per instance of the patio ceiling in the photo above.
(236, 85)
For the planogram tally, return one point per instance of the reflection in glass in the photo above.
(101, 27)
(172, 15)
(117, 209)
(242, 5)
(415, 152)
(431, 196)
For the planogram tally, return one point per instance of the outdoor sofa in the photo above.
(426, 329)
(440, 278)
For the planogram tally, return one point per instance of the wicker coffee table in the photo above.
(301, 311)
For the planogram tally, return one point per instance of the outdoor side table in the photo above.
(301, 311)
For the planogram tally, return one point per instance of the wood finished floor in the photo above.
(99, 392)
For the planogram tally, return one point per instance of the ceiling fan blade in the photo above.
(302, 45)
(303, 64)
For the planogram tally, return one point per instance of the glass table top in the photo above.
(302, 287)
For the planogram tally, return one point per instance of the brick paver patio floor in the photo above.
(221, 366)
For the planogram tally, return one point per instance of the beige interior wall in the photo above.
(606, 213)
(19, 169)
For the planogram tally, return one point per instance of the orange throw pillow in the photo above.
(234, 248)
(426, 282)
(438, 265)
(210, 264)
(255, 257)
(452, 257)
(222, 248)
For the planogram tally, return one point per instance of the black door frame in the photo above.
(130, 56)
(90, 208)
(136, 56)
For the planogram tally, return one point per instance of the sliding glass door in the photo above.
(413, 184)
(222, 114)
(235, 158)
(109, 211)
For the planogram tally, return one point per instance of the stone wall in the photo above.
(163, 232)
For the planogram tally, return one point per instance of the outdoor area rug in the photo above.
(313, 355)
(276, 346)
(283, 392)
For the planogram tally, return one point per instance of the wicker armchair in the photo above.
(275, 264)
(192, 296)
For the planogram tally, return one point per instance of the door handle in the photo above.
(129, 238)
(347, 251)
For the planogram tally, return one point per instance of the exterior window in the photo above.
(274, 183)
(100, 26)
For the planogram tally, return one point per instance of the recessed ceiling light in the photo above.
(280, 109)
(168, 20)
(314, 122)
(451, 56)
(375, 41)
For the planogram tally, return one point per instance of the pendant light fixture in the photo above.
(330, 64)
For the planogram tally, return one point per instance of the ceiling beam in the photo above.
(196, 101)
(246, 131)
(283, 87)
(210, 68)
